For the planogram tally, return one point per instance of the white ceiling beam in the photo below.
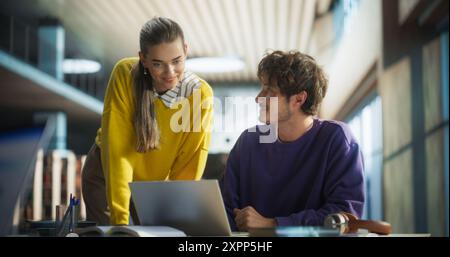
(193, 13)
(269, 19)
(258, 31)
(230, 8)
(196, 39)
(123, 11)
(81, 29)
(247, 37)
(217, 14)
(212, 27)
(295, 24)
(282, 17)
(206, 21)
(110, 28)
(307, 23)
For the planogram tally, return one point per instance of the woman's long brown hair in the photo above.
(156, 31)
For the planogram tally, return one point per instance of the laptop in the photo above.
(195, 207)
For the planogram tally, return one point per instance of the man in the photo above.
(312, 169)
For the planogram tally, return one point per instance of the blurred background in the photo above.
(387, 63)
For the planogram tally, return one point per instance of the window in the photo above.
(366, 125)
(343, 12)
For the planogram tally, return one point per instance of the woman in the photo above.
(137, 140)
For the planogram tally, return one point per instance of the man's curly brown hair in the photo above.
(293, 72)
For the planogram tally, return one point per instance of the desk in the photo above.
(319, 232)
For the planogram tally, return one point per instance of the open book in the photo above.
(133, 231)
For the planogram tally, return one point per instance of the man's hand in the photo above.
(248, 217)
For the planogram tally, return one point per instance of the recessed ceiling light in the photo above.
(79, 66)
(214, 64)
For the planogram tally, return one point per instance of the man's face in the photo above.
(165, 62)
(280, 112)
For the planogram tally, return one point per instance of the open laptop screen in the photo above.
(195, 207)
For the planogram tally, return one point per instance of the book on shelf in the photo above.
(132, 231)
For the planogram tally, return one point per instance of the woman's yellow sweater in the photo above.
(181, 155)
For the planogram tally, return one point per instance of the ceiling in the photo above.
(108, 30)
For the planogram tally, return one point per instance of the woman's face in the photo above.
(165, 62)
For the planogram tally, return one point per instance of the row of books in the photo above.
(57, 175)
